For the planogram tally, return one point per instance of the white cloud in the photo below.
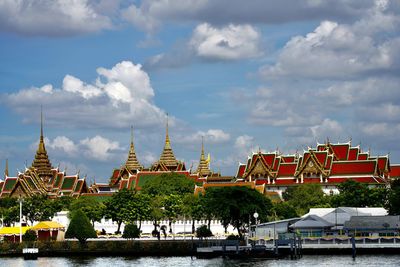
(99, 148)
(149, 15)
(120, 96)
(342, 51)
(74, 85)
(210, 136)
(227, 43)
(63, 143)
(51, 17)
(244, 142)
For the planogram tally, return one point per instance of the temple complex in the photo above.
(269, 173)
(41, 178)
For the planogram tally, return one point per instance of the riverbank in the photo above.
(139, 248)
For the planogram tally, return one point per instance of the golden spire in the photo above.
(41, 163)
(167, 156)
(132, 163)
(204, 168)
(6, 170)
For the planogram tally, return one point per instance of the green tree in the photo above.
(30, 236)
(80, 227)
(193, 208)
(131, 231)
(173, 207)
(115, 206)
(203, 232)
(93, 209)
(393, 204)
(356, 194)
(38, 208)
(283, 210)
(62, 203)
(236, 206)
(137, 209)
(9, 210)
(169, 183)
(305, 196)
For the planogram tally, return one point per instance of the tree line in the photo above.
(170, 197)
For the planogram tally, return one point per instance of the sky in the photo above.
(245, 75)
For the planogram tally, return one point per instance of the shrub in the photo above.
(29, 236)
(80, 227)
(131, 231)
(203, 232)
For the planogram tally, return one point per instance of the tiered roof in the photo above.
(41, 163)
(204, 164)
(167, 157)
(327, 163)
(132, 164)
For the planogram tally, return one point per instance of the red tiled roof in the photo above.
(288, 159)
(353, 167)
(287, 169)
(353, 153)
(369, 180)
(269, 159)
(321, 156)
(241, 170)
(363, 156)
(382, 163)
(341, 150)
(395, 171)
(284, 181)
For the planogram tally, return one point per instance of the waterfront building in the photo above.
(327, 164)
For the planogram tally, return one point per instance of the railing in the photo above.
(347, 240)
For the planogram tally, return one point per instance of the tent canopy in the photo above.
(13, 230)
(48, 225)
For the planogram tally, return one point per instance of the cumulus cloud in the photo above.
(227, 43)
(341, 51)
(149, 15)
(52, 17)
(64, 144)
(210, 136)
(99, 148)
(120, 96)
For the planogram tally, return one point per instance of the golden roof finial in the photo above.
(166, 133)
(132, 163)
(6, 170)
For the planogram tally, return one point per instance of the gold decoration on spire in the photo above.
(167, 156)
(41, 163)
(132, 163)
(6, 170)
(204, 164)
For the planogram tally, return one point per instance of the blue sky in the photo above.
(268, 74)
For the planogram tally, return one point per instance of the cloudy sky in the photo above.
(266, 74)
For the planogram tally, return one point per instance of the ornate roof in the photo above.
(167, 157)
(41, 163)
(132, 164)
(204, 164)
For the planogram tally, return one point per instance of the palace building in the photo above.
(327, 164)
(42, 178)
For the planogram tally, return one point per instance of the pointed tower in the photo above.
(132, 164)
(6, 169)
(167, 156)
(204, 165)
(41, 163)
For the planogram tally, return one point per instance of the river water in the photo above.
(307, 260)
